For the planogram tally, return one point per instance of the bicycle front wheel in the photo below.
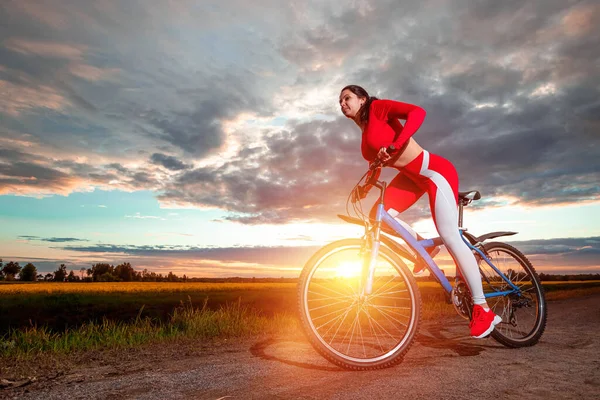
(354, 331)
(523, 314)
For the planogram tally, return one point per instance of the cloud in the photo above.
(560, 255)
(17, 99)
(238, 111)
(566, 246)
(168, 162)
(52, 239)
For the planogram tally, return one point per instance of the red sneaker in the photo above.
(483, 322)
(420, 265)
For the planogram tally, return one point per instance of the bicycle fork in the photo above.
(372, 239)
(369, 264)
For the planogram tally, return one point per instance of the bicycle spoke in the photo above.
(384, 330)
(326, 306)
(328, 297)
(343, 319)
(331, 320)
(381, 287)
(386, 314)
(353, 327)
(373, 330)
(331, 290)
(394, 307)
(375, 296)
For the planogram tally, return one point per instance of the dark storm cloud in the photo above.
(262, 255)
(32, 175)
(504, 138)
(562, 255)
(51, 239)
(301, 174)
(22, 173)
(564, 252)
(100, 65)
(540, 148)
(168, 162)
(560, 246)
(511, 90)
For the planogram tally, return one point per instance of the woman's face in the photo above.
(350, 103)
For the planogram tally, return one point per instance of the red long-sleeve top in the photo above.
(384, 129)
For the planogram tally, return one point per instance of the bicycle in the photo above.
(360, 305)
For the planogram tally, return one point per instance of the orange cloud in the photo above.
(581, 20)
(46, 49)
(14, 99)
(91, 73)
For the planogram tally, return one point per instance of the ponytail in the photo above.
(364, 110)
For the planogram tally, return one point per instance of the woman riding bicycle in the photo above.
(420, 172)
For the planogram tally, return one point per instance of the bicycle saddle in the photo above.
(470, 195)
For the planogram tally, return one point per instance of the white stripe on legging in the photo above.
(446, 219)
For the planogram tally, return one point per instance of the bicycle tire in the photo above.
(512, 332)
(310, 283)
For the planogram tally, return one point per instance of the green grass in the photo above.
(187, 321)
(69, 310)
(100, 322)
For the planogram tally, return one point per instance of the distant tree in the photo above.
(106, 277)
(61, 273)
(82, 271)
(1, 273)
(150, 276)
(49, 277)
(10, 270)
(40, 277)
(137, 276)
(172, 277)
(71, 277)
(124, 272)
(28, 273)
(101, 269)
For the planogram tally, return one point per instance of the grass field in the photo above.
(62, 317)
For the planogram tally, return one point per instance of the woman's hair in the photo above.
(363, 112)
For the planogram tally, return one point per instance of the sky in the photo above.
(205, 137)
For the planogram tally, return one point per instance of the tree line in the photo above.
(569, 277)
(101, 272)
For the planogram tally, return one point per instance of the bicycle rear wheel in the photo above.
(371, 332)
(523, 315)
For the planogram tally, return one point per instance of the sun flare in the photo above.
(349, 269)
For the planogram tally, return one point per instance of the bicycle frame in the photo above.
(420, 246)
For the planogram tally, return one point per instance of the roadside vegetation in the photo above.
(50, 318)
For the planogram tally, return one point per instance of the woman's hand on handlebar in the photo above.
(383, 155)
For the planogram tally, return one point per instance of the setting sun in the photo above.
(349, 269)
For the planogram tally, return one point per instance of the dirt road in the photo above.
(444, 364)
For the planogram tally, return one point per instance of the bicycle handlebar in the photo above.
(377, 163)
(359, 191)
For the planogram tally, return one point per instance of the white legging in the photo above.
(437, 176)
